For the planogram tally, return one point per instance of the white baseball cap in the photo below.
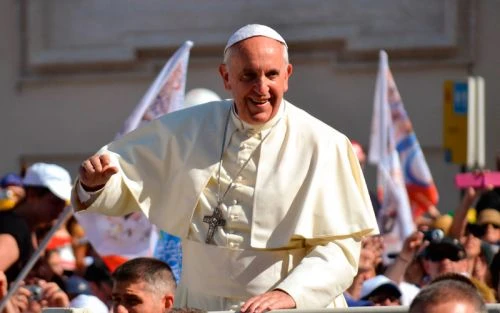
(253, 30)
(372, 284)
(90, 302)
(51, 176)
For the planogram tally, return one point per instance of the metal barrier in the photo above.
(492, 308)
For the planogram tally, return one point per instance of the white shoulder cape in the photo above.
(309, 182)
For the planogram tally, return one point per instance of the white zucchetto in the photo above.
(253, 30)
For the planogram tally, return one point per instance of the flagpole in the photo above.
(65, 214)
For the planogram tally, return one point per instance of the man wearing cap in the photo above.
(446, 255)
(48, 189)
(270, 203)
(381, 291)
(80, 295)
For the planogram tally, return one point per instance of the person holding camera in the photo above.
(41, 295)
(33, 298)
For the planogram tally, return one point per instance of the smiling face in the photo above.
(257, 75)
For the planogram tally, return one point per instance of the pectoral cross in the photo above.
(215, 220)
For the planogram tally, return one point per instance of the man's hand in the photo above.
(20, 299)
(271, 300)
(95, 172)
(53, 296)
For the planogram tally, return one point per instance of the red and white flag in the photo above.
(117, 239)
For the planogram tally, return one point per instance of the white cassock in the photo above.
(294, 215)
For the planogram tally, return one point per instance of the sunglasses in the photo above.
(478, 230)
(439, 256)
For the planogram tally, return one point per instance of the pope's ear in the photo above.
(289, 69)
(225, 76)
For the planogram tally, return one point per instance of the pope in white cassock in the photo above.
(270, 203)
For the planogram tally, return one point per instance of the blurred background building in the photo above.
(73, 70)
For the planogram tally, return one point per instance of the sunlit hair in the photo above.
(155, 273)
(451, 288)
(227, 53)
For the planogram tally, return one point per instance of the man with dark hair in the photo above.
(48, 189)
(143, 285)
(449, 295)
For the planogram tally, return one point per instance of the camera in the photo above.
(36, 292)
(433, 235)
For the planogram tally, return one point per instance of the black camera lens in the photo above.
(433, 235)
(36, 292)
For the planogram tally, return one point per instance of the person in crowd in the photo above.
(144, 285)
(99, 278)
(488, 221)
(270, 203)
(48, 268)
(370, 259)
(495, 273)
(62, 242)
(37, 295)
(9, 306)
(80, 244)
(48, 189)
(445, 256)
(449, 256)
(381, 291)
(487, 207)
(81, 296)
(479, 252)
(11, 191)
(449, 294)
(403, 262)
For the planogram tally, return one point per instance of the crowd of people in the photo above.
(461, 247)
(255, 238)
(464, 241)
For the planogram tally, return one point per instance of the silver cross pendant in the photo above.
(215, 220)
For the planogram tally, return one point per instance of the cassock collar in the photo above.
(252, 129)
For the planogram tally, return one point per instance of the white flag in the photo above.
(395, 217)
(166, 94)
(117, 239)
